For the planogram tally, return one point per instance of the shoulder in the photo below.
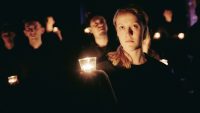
(50, 38)
(157, 65)
(154, 61)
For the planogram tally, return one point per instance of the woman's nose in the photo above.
(130, 31)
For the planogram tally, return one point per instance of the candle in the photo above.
(13, 79)
(88, 64)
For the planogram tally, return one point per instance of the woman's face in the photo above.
(128, 31)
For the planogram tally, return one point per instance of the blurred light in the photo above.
(87, 30)
(13, 79)
(88, 64)
(181, 36)
(55, 29)
(157, 35)
(164, 61)
(191, 91)
(182, 79)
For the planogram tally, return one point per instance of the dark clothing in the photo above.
(93, 93)
(9, 57)
(9, 66)
(193, 47)
(168, 29)
(43, 62)
(43, 87)
(9, 62)
(146, 88)
(193, 40)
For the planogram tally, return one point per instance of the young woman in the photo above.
(141, 83)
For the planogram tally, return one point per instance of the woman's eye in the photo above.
(121, 27)
(136, 26)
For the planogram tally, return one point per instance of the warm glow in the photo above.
(87, 30)
(164, 61)
(88, 64)
(87, 67)
(55, 29)
(181, 36)
(157, 35)
(12, 79)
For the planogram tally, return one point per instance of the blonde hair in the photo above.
(119, 57)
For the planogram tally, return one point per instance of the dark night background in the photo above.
(70, 15)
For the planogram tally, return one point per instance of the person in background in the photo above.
(50, 27)
(41, 65)
(8, 35)
(10, 71)
(94, 87)
(9, 51)
(100, 43)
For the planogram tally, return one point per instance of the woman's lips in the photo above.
(129, 41)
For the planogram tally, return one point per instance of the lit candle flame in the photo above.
(157, 35)
(12, 79)
(181, 36)
(55, 29)
(87, 67)
(88, 64)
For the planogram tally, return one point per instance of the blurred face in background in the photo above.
(128, 31)
(33, 30)
(8, 39)
(8, 36)
(98, 26)
(49, 24)
(168, 15)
